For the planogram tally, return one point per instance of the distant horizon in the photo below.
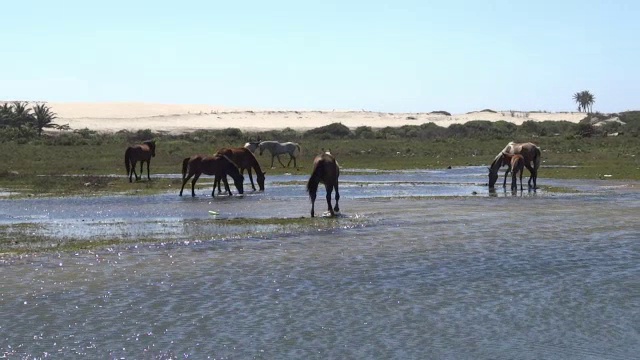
(244, 109)
(408, 56)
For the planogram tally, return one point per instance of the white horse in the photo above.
(276, 149)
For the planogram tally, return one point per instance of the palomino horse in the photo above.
(276, 149)
(219, 166)
(244, 159)
(142, 152)
(517, 168)
(325, 170)
(531, 154)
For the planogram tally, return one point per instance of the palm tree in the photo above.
(585, 100)
(6, 115)
(43, 117)
(577, 97)
(22, 114)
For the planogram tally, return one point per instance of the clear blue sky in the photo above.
(398, 55)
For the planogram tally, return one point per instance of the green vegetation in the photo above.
(42, 165)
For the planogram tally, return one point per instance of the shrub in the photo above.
(331, 131)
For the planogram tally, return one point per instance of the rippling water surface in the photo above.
(436, 273)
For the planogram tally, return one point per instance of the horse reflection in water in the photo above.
(141, 152)
(325, 170)
(218, 166)
(531, 154)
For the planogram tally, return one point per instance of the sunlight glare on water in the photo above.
(479, 277)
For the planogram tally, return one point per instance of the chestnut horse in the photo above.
(219, 166)
(517, 168)
(143, 153)
(244, 159)
(325, 170)
(531, 154)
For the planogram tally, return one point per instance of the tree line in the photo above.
(19, 115)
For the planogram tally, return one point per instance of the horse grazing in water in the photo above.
(244, 159)
(219, 166)
(276, 149)
(517, 168)
(141, 152)
(325, 170)
(531, 154)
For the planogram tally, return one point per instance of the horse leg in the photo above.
(250, 177)
(531, 172)
(329, 189)
(133, 169)
(272, 157)
(280, 161)
(504, 184)
(312, 195)
(184, 181)
(337, 208)
(130, 173)
(148, 175)
(141, 172)
(521, 179)
(193, 184)
(226, 185)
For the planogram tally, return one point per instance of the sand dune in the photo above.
(183, 118)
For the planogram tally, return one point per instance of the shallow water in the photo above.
(438, 273)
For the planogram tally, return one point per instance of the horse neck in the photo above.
(496, 164)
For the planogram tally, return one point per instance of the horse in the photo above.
(220, 166)
(244, 159)
(517, 168)
(325, 170)
(141, 152)
(531, 154)
(276, 149)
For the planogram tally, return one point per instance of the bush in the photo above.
(331, 131)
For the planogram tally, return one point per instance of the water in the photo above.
(437, 273)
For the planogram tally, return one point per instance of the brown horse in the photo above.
(517, 168)
(219, 166)
(325, 170)
(244, 159)
(143, 153)
(531, 154)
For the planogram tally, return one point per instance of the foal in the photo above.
(517, 168)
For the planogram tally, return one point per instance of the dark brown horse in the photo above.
(325, 170)
(143, 153)
(531, 154)
(219, 166)
(517, 168)
(244, 159)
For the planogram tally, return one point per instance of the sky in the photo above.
(389, 56)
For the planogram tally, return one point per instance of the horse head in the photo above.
(493, 177)
(152, 146)
(260, 178)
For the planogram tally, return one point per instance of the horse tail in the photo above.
(537, 158)
(299, 150)
(185, 166)
(314, 180)
(127, 164)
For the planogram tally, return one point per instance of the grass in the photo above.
(24, 238)
(42, 170)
